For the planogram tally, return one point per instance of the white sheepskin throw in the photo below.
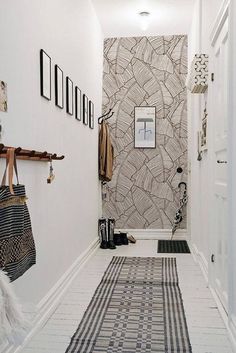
(13, 325)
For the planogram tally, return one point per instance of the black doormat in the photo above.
(173, 246)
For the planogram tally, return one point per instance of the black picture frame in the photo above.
(78, 103)
(91, 115)
(145, 127)
(45, 75)
(85, 109)
(59, 87)
(69, 96)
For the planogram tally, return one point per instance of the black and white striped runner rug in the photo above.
(137, 308)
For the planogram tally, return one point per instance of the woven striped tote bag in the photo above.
(17, 248)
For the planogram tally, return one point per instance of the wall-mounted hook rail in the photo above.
(30, 155)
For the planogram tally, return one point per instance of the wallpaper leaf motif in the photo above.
(145, 76)
(146, 71)
(158, 44)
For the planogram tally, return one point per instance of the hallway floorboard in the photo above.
(207, 331)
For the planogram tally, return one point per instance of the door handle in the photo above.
(221, 162)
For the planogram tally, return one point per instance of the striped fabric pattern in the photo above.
(136, 308)
(17, 248)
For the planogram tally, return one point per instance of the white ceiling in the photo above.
(119, 18)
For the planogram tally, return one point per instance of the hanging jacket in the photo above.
(105, 153)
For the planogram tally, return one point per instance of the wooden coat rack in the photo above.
(30, 155)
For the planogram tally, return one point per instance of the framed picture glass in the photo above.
(45, 74)
(59, 94)
(69, 96)
(85, 109)
(145, 127)
(91, 115)
(77, 103)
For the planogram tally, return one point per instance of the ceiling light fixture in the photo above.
(144, 19)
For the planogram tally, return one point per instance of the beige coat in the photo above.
(105, 153)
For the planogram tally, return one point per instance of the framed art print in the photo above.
(91, 115)
(85, 109)
(77, 103)
(59, 94)
(69, 96)
(145, 127)
(45, 74)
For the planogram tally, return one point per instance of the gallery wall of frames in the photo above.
(67, 93)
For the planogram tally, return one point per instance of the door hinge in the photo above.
(212, 77)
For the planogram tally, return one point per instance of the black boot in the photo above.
(102, 233)
(111, 226)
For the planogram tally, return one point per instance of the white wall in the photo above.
(64, 214)
(193, 123)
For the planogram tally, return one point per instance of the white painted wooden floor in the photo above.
(206, 328)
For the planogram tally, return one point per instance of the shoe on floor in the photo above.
(131, 238)
(124, 239)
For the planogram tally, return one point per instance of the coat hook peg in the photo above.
(102, 116)
(109, 116)
(17, 150)
(60, 158)
(1, 147)
(32, 153)
(43, 155)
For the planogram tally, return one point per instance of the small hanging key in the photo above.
(51, 174)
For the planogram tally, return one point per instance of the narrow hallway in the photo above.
(207, 331)
(117, 117)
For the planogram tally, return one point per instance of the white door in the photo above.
(219, 99)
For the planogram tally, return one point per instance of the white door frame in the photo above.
(232, 172)
(218, 25)
(220, 20)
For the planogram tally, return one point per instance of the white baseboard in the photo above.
(200, 259)
(220, 306)
(230, 324)
(232, 332)
(48, 304)
(155, 234)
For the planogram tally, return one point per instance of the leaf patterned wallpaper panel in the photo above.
(146, 71)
